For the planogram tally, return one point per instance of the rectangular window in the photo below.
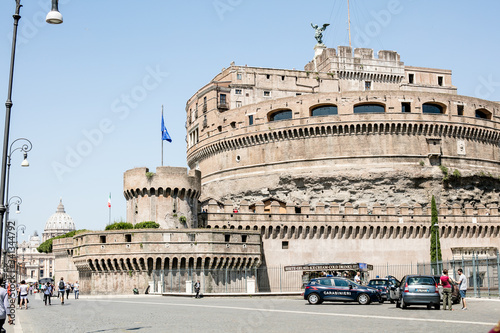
(284, 245)
(368, 85)
(268, 76)
(267, 93)
(102, 239)
(128, 238)
(237, 91)
(282, 78)
(222, 98)
(227, 238)
(440, 81)
(238, 104)
(411, 78)
(460, 110)
(250, 119)
(298, 210)
(238, 76)
(243, 238)
(405, 107)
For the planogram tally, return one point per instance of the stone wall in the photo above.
(163, 196)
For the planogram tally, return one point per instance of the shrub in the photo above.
(120, 226)
(147, 225)
(456, 174)
(150, 175)
(422, 163)
(444, 170)
(182, 219)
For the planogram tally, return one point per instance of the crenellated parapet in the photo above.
(289, 221)
(163, 197)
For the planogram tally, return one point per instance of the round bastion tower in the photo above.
(168, 197)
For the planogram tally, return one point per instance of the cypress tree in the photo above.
(435, 242)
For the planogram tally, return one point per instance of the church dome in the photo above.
(59, 221)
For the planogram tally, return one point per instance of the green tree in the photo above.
(435, 243)
(46, 247)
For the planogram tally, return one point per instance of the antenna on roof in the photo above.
(349, 22)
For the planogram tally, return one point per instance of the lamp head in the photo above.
(25, 162)
(54, 17)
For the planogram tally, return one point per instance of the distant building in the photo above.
(34, 265)
(58, 224)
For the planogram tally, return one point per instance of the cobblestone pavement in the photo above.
(245, 314)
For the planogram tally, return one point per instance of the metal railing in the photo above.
(482, 274)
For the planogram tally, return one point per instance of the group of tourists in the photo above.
(447, 289)
(62, 288)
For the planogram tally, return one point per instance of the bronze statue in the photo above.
(319, 32)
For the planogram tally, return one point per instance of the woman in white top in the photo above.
(23, 292)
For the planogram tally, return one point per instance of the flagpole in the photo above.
(109, 206)
(162, 139)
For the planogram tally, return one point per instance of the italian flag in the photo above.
(109, 201)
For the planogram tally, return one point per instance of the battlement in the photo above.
(175, 179)
(275, 207)
(169, 197)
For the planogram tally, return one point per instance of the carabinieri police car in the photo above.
(337, 289)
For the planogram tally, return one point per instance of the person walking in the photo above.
(4, 306)
(445, 282)
(197, 289)
(462, 288)
(23, 294)
(47, 292)
(68, 289)
(62, 286)
(76, 288)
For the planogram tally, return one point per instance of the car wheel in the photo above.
(437, 307)
(392, 301)
(403, 304)
(314, 299)
(429, 306)
(363, 299)
(458, 300)
(381, 301)
(398, 305)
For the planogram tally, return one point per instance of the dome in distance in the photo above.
(60, 221)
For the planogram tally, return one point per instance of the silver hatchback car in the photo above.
(418, 290)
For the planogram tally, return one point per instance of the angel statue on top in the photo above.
(319, 32)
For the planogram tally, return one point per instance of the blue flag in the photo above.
(164, 133)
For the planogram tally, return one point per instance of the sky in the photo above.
(88, 93)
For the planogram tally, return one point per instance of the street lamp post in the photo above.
(25, 148)
(23, 228)
(14, 200)
(53, 17)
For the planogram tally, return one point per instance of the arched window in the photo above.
(324, 110)
(483, 113)
(432, 108)
(369, 108)
(280, 115)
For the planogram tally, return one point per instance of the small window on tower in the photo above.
(411, 78)
(250, 119)
(368, 85)
(460, 110)
(440, 80)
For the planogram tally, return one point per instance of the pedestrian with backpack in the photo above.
(62, 286)
(47, 292)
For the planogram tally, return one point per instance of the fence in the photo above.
(481, 272)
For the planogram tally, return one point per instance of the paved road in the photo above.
(292, 314)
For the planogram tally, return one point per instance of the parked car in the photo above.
(419, 290)
(337, 289)
(386, 287)
(455, 292)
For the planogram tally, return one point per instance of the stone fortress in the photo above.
(335, 163)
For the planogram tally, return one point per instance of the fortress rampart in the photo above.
(163, 196)
(118, 261)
